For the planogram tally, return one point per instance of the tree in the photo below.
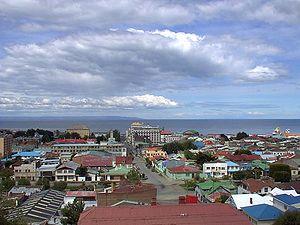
(100, 138)
(75, 135)
(117, 135)
(242, 152)
(224, 137)
(243, 174)
(203, 158)
(133, 176)
(289, 218)
(176, 146)
(24, 182)
(59, 185)
(71, 212)
(81, 171)
(6, 173)
(241, 135)
(280, 172)
(7, 184)
(188, 154)
(46, 138)
(92, 136)
(44, 182)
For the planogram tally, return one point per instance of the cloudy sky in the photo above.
(150, 59)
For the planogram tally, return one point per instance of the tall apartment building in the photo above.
(82, 130)
(138, 129)
(5, 145)
(26, 170)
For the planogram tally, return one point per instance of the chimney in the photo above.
(251, 201)
(181, 200)
(153, 201)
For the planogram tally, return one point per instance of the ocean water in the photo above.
(204, 126)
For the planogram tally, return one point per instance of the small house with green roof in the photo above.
(116, 174)
(262, 165)
(210, 190)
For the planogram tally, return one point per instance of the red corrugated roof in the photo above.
(166, 132)
(256, 185)
(184, 169)
(191, 214)
(81, 194)
(93, 161)
(238, 158)
(127, 160)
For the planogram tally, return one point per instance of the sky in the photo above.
(167, 59)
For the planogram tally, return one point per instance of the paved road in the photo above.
(167, 190)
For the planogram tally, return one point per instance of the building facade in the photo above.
(82, 130)
(5, 145)
(26, 170)
(137, 129)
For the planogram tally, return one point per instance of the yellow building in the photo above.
(82, 130)
(5, 145)
(155, 152)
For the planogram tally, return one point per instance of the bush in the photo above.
(44, 182)
(280, 172)
(288, 218)
(59, 185)
(133, 176)
(7, 184)
(23, 182)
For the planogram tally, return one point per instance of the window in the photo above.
(266, 189)
(208, 168)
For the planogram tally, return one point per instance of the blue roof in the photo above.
(262, 212)
(288, 199)
(230, 163)
(199, 144)
(28, 154)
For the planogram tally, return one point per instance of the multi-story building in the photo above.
(26, 170)
(137, 129)
(5, 145)
(168, 136)
(113, 147)
(66, 172)
(82, 130)
(75, 147)
(215, 169)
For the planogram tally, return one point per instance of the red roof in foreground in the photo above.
(81, 194)
(94, 161)
(184, 169)
(127, 160)
(243, 157)
(191, 214)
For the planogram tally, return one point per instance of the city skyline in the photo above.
(150, 59)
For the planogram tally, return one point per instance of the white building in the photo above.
(66, 172)
(216, 169)
(142, 130)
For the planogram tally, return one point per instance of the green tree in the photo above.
(243, 174)
(189, 155)
(203, 158)
(242, 152)
(59, 185)
(289, 218)
(7, 184)
(133, 176)
(71, 212)
(241, 135)
(24, 182)
(6, 173)
(81, 171)
(44, 182)
(117, 135)
(280, 172)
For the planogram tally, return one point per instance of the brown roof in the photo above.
(256, 185)
(191, 214)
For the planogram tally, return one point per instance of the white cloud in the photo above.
(262, 73)
(128, 63)
(63, 103)
(251, 10)
(255, 113)
(61, 15)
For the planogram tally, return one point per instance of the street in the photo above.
(167, 190)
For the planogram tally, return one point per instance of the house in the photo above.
(251, 186)
(26, 170)
(124, 161)
(262, 214)
(286, 202)
(141, 192)
(208, 214)
(262, 165)
(209, 191)
(232, 167)
(94, 161)
(115, 175)
(161, 165)
(66, 172)
(278, 191)
(27, 191)
(152, 152)
(87, 197)
(244, 200)
(216, 169)
(182, 172)
(28, 155)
